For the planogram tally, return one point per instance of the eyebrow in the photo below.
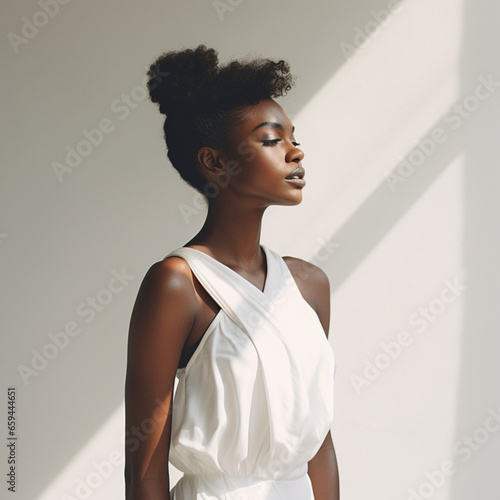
(271, 124)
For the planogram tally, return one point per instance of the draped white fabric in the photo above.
(255, 401)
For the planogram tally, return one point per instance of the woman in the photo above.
(243, 329)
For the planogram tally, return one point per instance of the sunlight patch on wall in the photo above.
(391, 94)
(397, 330)
(97, 470)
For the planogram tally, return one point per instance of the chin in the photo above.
(291, 200)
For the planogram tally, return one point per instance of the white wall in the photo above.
(391, 239)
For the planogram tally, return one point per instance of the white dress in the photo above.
(255, 401)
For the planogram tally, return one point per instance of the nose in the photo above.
(295, 154)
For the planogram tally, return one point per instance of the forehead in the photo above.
(266, 110)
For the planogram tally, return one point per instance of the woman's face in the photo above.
(264, 153)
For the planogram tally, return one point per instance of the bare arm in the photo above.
(323, 472)
(315, 288)
(161, 320)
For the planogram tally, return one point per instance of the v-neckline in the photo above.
(238, 275)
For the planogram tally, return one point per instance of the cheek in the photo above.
(246, 152)
(253, 169)
(255, 165)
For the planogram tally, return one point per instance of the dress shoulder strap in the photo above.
(230, 290)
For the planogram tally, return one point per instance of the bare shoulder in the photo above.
(171, 274)
(314, 286)
(167, 287)
(307, 274)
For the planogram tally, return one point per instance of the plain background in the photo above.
(407, 249)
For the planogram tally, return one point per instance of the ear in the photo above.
(212, 162)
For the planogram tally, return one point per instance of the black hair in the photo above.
(202, 100)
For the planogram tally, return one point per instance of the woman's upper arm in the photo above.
(161, 320)
(321, 298)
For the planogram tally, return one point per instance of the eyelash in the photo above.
(273, 142)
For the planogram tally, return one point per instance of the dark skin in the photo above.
(172, 310)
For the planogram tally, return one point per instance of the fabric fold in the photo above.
(258, 399)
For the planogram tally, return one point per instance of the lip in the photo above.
(299, 172)
(299, 181)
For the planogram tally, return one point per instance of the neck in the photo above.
(232, 233)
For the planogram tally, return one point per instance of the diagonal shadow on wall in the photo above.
(384, 208)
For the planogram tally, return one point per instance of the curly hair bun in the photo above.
(190, 81)
(178, 79)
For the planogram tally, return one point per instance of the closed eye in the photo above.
(273, 142)
(270, 142)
